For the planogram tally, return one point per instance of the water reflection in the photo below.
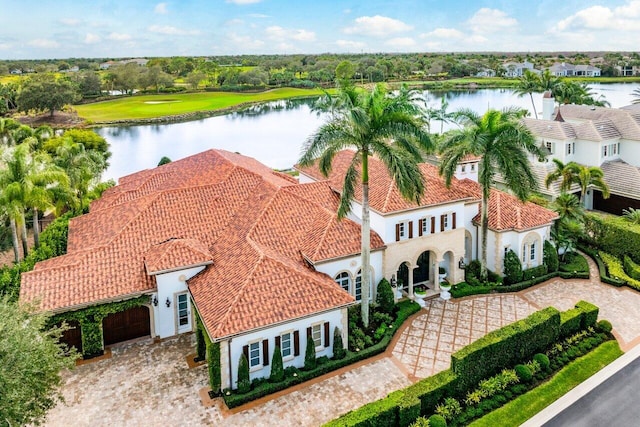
(274, 132)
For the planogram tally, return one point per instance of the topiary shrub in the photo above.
(524, 373)
(421, 422)
(310, 361)
(213, 361)
(550, 256)
(472, 271)
(542, 360)
(604, 326)
(512, 268)
(338, 346)
(384, 297)
(437, 421)
(277, 370)
(244, 384)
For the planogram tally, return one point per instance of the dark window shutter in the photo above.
(278, 342)
(326, 334)
(309, 333)
(453, 220)
(442, 222)
(397, 232)
(265, 352)
(410, 225)
(296, 343)
(245, 350)
(433, 224)
(420, 225)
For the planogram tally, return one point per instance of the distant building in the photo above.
(140, 61)
(517, 69)
(564, 69)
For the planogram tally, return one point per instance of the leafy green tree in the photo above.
(310, 361)
(550, 256)
(512, 267)
(277, 370)
(164, 160)
(527, 85)
(345, 70)
(194, 78)
(589, 176)
(154, 77)
(372, 123)
(503, 144)
(126, 77)
(31, 359)
(46, 93)
(338, 345)
(90, 84)
(384, 297)
(244, 383)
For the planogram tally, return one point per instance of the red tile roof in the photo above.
(255, 225)
(384, 196)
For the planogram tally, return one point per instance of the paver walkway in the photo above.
(146, 384)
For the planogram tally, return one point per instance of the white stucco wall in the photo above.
(352, 265)
(630, 152)
(336, 318)
(169, 285)
(515, 240)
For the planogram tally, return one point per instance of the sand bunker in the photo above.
(166, 101)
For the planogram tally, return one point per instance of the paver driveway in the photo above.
(146, 384)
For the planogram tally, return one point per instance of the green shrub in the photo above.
(605, 326)
(574, 262)
(421, 422)
(244, 384)
(614, 235)
(213, 365)
(277, 370)
(512, 268)
(590, 313)
(310, 361)
(384, 297)
(526, 284)
(201, 345)
(542, 360)
(570, 322)
(338, 347)
(379, 333)
(464, 289)
(533, 272)
(506, 346)
(380, 318)
(524, 373)
(449, 409)
(472, 271)
(550, 256)
(437, 421)
(616, 270)
(631, 268)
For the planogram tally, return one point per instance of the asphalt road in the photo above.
(615, 403)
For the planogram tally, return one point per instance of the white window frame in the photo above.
(550, 146)
(533, 251)
(340, 280)
(282, 347)
(473, 167)
(402, 230)
(446, 221)
(463, 168)
(258, 366)
(426, 225)
(319, 334)
(605, 151)
(355, 287)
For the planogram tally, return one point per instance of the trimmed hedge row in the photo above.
(602, 269)
(502, 348)
(614, 235)
(506, 346)
(405, 309)
(631, 268)
(616, 269)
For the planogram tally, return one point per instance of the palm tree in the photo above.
(636, 96)
(568, 208)
(587, 176)
(440, 114)
(527, 84)
(372, 123)
(562, 171)
(503, 143)
(548, 81)
(572, 92)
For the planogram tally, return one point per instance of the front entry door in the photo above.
(183, 308)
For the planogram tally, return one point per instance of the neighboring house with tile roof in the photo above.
(594, 136)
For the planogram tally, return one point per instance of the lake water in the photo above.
(274, 133)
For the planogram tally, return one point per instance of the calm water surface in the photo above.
(274, 133)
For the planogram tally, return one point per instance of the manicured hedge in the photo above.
(631, 268)
(602, 269)
(533, 272)
(404, 310)
(614, 235)
(506, 346)
(616, 270)
(527, 284)
(575, 262)
(430, 391)
(570, 322)
(590, 311)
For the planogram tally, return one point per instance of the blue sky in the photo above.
(32, 29)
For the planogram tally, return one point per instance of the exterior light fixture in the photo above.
(168, 302)
(155, 300)
(393, 281)
(461, 264)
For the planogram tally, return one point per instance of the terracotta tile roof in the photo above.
(257, 228)
(506, 212)
(384, 196)
(175, 254)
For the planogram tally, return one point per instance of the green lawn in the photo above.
(526, 406)
(150, 106)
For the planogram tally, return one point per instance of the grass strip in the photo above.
(529, 404)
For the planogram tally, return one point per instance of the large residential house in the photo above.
(564, 69)
(517, 69)
(261, 257)
(594, 136)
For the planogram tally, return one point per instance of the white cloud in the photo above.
(623, 18)
(5, 46)
(120, 37)
(350, 44)
(377, 26)
(243, 1)
(44, 43)
(161, 9)
(245, 42)
(443, 33)
(92, 38)
(232, 22)
(488, 20)
(71, 22)
(400, 43)
(278, 33)
(172, 31)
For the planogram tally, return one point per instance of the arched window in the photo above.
(358, 291)
(344, 281)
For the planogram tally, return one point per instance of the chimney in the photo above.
(548, 105)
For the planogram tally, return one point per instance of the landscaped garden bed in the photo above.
(491, 371)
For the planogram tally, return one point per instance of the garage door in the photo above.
(73, 336)
(126, 325)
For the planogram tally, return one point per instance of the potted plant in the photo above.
(445, 287)
(442, 273)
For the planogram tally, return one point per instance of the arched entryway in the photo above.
(402, 276)
(421, 274)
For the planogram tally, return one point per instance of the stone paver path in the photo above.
(147, 384)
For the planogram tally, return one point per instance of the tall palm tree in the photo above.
(527, 84)
(589, 176)
(503, 143)
(441, 114)
(572, 92)
(563, 171)
(372, 123)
